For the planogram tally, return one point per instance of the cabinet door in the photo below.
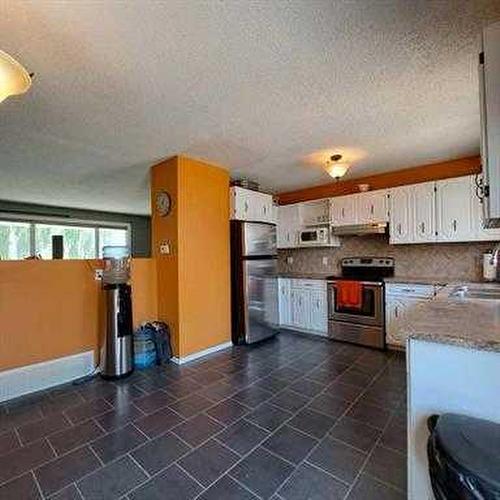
(240, 203)
(372, 207)
(315, 212)
(424, 210)
(266, 208)
(297, 312)
(454, 210)
(287, 225)
(395, 311)
(343, 210)
(283, 224)
(319, 313)
(401, 215)
(481, 233)
(257, 207)
(285, 306)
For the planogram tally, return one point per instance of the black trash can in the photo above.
(464, 457)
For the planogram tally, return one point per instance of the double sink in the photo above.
(486, 292)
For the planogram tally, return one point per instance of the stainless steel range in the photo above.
(356, 301)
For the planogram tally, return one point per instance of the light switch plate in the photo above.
(289, 260)
(325, 261)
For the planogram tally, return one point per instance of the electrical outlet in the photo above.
(98, 274)
(289, 260)
(165, 248)
(325, 261)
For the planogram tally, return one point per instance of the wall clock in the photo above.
(163, 203)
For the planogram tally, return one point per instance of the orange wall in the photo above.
(164, 177)
(204, 256)
(194, 280)
(424, 173)
(50, 309)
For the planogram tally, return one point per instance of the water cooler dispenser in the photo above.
(117, 355)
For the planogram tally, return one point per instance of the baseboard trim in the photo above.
(201, 354)
(39, 376)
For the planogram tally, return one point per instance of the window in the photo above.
(22, 238)
(78, 242)
(14, 240)
(110, 236)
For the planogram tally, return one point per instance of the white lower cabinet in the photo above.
(302, 305)
(400, 298)
(285, 302)
(319, 311)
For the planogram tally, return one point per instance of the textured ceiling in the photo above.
(266, 88)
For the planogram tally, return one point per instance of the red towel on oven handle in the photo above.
(349, 294)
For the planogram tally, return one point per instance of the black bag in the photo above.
(464, 457)
(159, 333)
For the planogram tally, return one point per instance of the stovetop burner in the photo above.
(366, 268)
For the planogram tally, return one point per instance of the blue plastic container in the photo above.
(144, 350)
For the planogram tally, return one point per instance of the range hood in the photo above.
(360, 229)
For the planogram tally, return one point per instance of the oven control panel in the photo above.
(368, 262)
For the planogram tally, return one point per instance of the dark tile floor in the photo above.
(293, 418)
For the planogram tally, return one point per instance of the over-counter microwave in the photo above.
(318, 236)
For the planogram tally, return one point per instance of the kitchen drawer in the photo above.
(410, 290)
(308, 283)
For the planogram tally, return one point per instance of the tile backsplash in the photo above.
(439, 260)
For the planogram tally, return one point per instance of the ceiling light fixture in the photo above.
(335, 168)
(14, 79)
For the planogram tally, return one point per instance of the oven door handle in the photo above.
(367, 284)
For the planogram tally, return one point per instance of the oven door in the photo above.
(370, 313)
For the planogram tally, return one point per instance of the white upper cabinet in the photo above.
(372, 207)
(251, 205)
(360, 208)
(443, 211)
(313, 213)
(481, 233)
(489, 92)
(424, 212)
(412, 214)
(288, 226)
(401, 222)
(454, 199)
(343, 210)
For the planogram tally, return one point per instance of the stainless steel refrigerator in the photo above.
(254, 281)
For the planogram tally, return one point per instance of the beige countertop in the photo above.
(472, 323)
(419, 280)
(305, 276)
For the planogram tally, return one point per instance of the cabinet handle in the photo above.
(265, 209)
(454, 225)
(422, 227)
(399, 228)
(396, 312)
(343, 212)
(246, 206)
(371, 209)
